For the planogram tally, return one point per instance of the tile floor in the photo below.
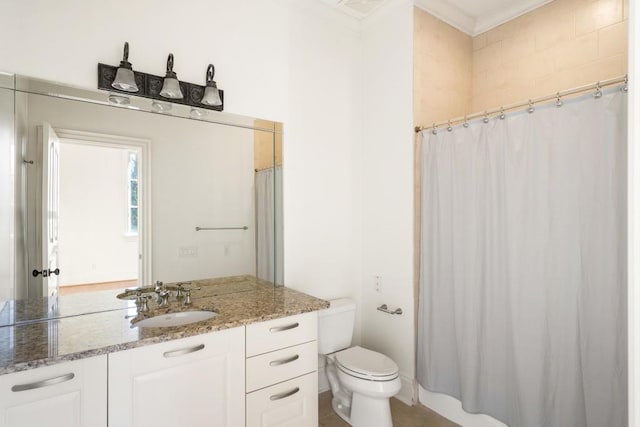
(403, 415)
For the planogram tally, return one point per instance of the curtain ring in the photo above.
(625, 88)
(502, 115)
(449, 128)
(466, 123)
(598, 92)
(434, 129)
(486, 118)
(531, 109)
(558, 100)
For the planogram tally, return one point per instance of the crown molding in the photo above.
(449, 13)
(473, 26)
(499, 17)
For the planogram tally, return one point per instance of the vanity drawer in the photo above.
(281, 365)
(293, 403)
(263, 337)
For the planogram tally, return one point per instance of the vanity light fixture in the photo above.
(119, 83)
(125, 79)
(211, 94)
(171, 85)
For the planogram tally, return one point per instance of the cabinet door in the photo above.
(70, 394)
(292, 403)
(196, 382)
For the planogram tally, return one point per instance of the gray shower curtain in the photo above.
(269, 225)
(522, 308)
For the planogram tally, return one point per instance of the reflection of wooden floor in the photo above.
(91, 287)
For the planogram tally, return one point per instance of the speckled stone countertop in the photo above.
(110, 327)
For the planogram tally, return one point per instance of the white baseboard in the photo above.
(405, 395)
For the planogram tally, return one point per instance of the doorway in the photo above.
(101, 213)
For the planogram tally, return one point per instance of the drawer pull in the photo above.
(284, 361)
(183, 351)
(43, 383)
(285, 394)
(284, 328)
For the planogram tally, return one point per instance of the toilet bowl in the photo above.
(361, 380)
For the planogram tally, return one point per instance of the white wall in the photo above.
(93, 214)
(387, 191)
(322, 177)
(64, 40)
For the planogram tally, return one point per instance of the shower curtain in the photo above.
(269, 225)
(522, 307)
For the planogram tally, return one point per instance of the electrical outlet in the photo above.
(377, 283)
(188, 252)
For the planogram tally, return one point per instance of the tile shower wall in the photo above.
(442, 69)
(564, 44)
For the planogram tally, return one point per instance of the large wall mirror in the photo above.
(99, 191)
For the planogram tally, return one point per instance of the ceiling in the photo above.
(470, 16)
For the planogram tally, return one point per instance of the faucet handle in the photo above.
(180, 289)
(158, 286)
(164, 298)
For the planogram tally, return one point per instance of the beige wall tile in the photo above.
(442, 70)
(553, 30)
(598, 14)
(572, 53)
(565, 44)
(612, 40)
(487, 58)
(479, 41)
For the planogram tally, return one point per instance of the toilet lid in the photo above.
(367, 364)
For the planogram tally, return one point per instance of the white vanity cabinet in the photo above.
(281, 369)
(197, 381)
(69, 394)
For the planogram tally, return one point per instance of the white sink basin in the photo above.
(175, 319)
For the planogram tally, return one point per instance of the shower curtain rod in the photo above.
(529, 103)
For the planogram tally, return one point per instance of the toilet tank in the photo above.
(335, 325)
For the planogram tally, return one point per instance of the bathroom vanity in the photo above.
(252, 364)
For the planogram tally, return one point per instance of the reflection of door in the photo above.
(50, 208)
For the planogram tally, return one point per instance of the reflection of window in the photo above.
(132, 193)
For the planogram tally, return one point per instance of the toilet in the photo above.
(361, 380)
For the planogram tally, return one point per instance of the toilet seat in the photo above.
(366, 364)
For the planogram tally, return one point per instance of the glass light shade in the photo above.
(125, 80)
(198, 113)
(211, 96)
(171, 89)
(119, 99)
(161, 107)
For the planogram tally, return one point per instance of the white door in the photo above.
(50, 208)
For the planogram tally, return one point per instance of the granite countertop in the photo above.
(110, 326)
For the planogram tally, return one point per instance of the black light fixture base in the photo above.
(151, 85)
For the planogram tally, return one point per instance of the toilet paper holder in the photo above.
(385, 309)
